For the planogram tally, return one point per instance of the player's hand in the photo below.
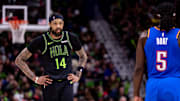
(73, 78)
(137, 98)
(44, 80)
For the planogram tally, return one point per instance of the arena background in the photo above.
(108, 30)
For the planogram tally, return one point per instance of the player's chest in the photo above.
(57, 50)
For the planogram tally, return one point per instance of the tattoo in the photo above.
(21, 63)
(82, 57)
(82, 60)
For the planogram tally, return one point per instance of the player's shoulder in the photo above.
(143, 34)
(146, 33)
(153, 27)
(176, 28)
(71, 34)
(68, 32)
(39, 38)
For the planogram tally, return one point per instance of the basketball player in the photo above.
(55, 47)
(160, 49)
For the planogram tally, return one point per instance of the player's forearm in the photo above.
(138, 75)
(82, 63)
(25, 69)
(21, 63)
(78, 73)
(82, 57)
(83, 60)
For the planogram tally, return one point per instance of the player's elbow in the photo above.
(138, 70)
(85, 57)
(17, 60)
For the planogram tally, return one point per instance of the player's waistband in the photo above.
(58, 79)
(62, 80)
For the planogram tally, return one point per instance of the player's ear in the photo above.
(63, 22)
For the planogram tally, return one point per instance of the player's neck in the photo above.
(55, 37)
(158, 27)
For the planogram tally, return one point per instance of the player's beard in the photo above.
(55, 33)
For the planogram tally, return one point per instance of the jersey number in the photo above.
(62, 63)
(161, 63)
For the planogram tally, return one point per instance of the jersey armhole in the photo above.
(177, 36)
(148, 33)
(67, 36)
(45, 40)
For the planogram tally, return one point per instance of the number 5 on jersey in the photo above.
(161, 62)
(62, 63)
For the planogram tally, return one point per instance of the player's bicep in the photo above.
(36, 44)
(140, 54)
(76, 44)
(24, 55)
(82, 56)
(81, 53)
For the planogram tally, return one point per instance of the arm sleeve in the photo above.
(75, 42)
(36, 44)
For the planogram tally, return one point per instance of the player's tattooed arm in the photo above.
(82, 57)
(21, 63)
(82, 60)
(139, 67)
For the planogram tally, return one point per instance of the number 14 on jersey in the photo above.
(62, 63)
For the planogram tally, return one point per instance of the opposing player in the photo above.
(159, 47)
(55, 47)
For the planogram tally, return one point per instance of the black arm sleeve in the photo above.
(75, 42)
(36, 44)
